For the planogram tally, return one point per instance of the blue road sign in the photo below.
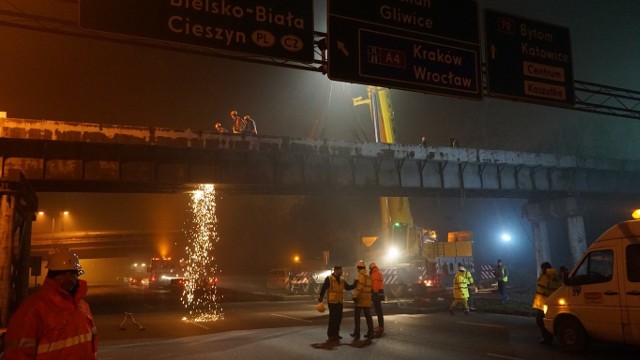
(427, 46)
(414, 63)
(528, 60)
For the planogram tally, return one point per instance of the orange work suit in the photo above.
(52, 324)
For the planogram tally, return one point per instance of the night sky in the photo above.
(55, 77)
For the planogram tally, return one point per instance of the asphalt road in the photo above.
(255, 325)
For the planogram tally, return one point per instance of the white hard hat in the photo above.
(64, 260)
(361, 264)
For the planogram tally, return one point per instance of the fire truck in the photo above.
(411, 258)
(164, 272)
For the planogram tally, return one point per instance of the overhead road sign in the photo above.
(273, 28)
(421, 45)
(528, 60)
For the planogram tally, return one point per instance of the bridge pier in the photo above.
(577, 237)
(18, 204)
(539, 213)
(541, 242)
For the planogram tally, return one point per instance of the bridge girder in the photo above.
(72, 157)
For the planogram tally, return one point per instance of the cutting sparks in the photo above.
(200, 272)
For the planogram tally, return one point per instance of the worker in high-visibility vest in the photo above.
(547, 283)
(502, 277)
(55, 323)
(377, 295)
(472, 288)
(362, 301)
(336, 286)
(460, 291)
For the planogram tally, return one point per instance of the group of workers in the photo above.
(241, 125)
(548, 281)
(57, 323)
(367, 290)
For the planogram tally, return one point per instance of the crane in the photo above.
(410, 255)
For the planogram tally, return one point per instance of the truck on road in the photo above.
(600, 299)
(165, 272)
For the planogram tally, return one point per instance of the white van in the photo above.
(600, 300)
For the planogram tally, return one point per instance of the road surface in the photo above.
(257, 326)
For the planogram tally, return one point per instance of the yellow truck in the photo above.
(600, 299)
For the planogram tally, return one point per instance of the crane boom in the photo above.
(421, 259)
(395, 211)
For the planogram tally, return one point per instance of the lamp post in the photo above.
(61, 214)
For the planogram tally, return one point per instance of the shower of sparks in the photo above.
(200, 272)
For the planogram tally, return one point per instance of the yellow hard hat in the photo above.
(64, 260)
(361, 264)
(372, 265)
(320, 307)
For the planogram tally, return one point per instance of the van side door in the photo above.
(595, 296)
(631, 292)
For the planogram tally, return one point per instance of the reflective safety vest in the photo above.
(460, 286)
(377, 282)
(336, 290)
(52, 325)
(547, 283)
(468, 276)
(362, 293)
(501, 273)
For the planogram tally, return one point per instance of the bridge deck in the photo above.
(63, 156)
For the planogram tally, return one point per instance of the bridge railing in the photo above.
(157, 136)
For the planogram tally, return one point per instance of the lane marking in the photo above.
(292, 318)
(202, 326)
(504, 356)
(481, 324)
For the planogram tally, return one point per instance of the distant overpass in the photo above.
(60, 156)
(102, 244)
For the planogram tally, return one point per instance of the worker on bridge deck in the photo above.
(250, 127)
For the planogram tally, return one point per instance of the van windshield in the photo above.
(597, 267)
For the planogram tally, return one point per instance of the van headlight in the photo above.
(544, 309)
(562, 302)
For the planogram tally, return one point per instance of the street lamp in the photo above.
(62, 214)
(636, 214)
(506, 237)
